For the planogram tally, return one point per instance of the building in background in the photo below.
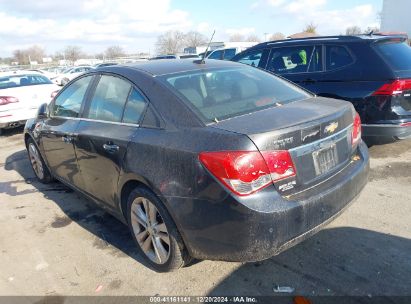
(395, 16)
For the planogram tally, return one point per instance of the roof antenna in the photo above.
(202, 61)
(371, 33)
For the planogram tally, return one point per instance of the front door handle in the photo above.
(69, 138)
(111, 148)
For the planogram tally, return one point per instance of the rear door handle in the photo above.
(111, 148)
(309, 80)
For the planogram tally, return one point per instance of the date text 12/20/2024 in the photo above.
(203, 300)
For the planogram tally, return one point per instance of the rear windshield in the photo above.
(398, 55)
(221, 94)
(14, 81)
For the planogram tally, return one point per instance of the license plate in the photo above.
(325, 159)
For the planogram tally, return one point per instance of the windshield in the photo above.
(397, 54)
(15, 81)
(220, 94)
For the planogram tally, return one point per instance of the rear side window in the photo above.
(229, 53)
(298, 59)
(22, 80)
(68, 102)
(216, 55)
(337, 57)
(252, 58)
(134, 107)
(109, 99)
(398, 55)
(220, 94)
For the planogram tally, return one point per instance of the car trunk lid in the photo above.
(315, 131)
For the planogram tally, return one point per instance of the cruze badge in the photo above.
(331, 128)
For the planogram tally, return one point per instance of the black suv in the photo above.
(371, 71)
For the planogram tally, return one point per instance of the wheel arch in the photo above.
(132, 182)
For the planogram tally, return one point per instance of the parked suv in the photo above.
(371, 71)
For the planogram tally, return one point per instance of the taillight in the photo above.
(394, 88)
(246, 172)
(406, 124)
(280, 164)
(53, 94)
(7, 99)
(356, 130)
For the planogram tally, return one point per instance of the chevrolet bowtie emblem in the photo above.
(331, 128)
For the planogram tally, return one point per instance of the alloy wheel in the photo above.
(150, 230)
(36, 161)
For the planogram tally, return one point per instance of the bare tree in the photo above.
(253, 38)
(193, 39)
(72, 53)
(114, 52)
(20, 56)
(276, 36)
(36, 53)
(33, 53)
(353, 30)
(311, 28)
(236, 38)
(170, 42)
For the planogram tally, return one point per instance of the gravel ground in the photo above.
(54, 242)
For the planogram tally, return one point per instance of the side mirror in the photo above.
(42, 112)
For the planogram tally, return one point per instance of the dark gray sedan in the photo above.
(213, 160)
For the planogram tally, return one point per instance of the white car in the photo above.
(71, 73)
(225, 53)
(21, 93)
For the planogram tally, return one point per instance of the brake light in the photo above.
(246, 172)
(4, 100)
(356, 130)
(394, 88)
(406, 124)
(53, 94)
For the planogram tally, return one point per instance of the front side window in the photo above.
(68, 102)
(337, 57)
(299, 59)
(109, 99)
(221, 94)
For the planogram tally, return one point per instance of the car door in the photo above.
(58, 131)
(109, 123)
(343, 76)
(302, 64)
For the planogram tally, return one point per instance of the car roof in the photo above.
(334, 39)
(164, 67)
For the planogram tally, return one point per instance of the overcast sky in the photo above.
(135, 24)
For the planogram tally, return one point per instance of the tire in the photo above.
(157, 233)
(37, 163)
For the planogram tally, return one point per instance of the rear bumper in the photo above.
(259, 227)
(14, 118)
(391, 131)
